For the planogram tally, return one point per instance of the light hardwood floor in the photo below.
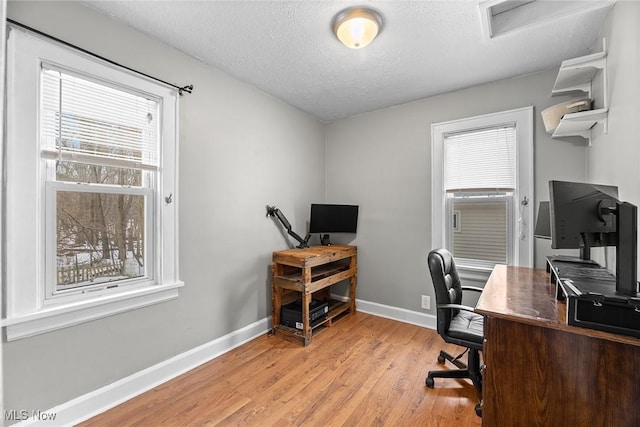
(363, 371)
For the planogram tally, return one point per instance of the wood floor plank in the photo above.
(363, 370)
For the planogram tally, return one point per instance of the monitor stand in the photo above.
(626, 249)
(324, 240)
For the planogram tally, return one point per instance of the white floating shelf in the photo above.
(576, 74)
(579, 124)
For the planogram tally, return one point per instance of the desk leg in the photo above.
(324, 294)
(353, 263)
(276, 296)
(306, 300)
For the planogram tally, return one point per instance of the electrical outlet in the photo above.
(426, 302)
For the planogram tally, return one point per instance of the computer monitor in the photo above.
(588, 215)
(543, 222)
(582, 216)
(330, 218)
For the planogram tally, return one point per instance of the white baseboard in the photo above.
(107, 397)
(102, 399)
(394, 313)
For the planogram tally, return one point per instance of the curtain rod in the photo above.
(181, 89)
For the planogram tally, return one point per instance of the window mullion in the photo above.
(99, 188)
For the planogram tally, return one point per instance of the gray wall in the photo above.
(614, 157)
(382, 161)
(240, 150)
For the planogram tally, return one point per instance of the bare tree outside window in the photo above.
(100, 238)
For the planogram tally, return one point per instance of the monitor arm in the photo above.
(273, 211)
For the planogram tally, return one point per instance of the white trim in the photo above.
(98, 401)
(3, 32)
(478, 274)
(394, 313)
(484, 8)
(399, 314)
(50, 319)
(533, 13)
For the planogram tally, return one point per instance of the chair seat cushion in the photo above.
(467, 326)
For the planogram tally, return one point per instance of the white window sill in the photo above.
(474, 272)
(50, 319)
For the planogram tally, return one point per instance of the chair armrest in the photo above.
(456, 306)
(472, 288)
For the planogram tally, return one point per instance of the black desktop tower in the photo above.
(291, 314)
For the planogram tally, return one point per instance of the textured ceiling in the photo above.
(287, 49)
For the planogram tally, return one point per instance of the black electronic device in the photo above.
(592, 300)
(586, 215)
(331, 218)
(291, 314)
(592, 305)
(579, 216)
(543, 221)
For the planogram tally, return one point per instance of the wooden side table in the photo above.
(308, 274)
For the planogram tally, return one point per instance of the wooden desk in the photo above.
(542, 372)
(309, 273)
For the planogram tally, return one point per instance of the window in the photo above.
(91, 157)
(482, 182)
(99, 215)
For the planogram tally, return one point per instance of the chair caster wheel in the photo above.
(429, 382)
(479, 409)
(441, 359)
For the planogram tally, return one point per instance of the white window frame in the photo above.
(28, 311)
(522, 214)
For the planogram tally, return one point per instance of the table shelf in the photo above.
(336, 310)
(308, 274)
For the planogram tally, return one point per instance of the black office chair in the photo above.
(457, 324)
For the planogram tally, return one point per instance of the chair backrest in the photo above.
(446, 284)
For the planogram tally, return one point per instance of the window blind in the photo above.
(84, 121)
(480, 160)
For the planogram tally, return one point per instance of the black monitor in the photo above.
(579, 216)
(328, 218)
(543, 222)
(588, 215)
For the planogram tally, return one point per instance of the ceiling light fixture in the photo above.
(356, 27)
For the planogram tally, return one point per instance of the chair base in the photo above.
(470, 371)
